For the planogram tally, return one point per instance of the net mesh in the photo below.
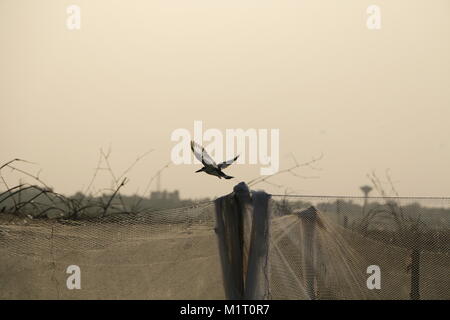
(408, 239)
(169, 254)
(174, 254)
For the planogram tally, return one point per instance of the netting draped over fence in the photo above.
(328, 247)
(168, 254)
(245, 245)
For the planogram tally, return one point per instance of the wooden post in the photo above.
(345, 221)
(229, 232)
(230, 212)
(415, 265)
(338, 211)
(243, 202)
(242, 227)
(258, 274)
(243, 237)
(309, 219)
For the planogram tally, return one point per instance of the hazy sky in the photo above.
(137, 70)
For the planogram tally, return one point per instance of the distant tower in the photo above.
(366, 190)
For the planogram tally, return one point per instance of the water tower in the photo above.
(366, 190)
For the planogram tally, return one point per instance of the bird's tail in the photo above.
(228, 177)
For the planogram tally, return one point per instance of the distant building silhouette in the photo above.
(165, 195)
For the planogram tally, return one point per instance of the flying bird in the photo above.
(209, 165)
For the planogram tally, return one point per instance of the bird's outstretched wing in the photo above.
(226, 164)
(201, 154)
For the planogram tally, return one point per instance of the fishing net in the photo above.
(346, 248)
(407, 239)
(251, 245)
(168, 254)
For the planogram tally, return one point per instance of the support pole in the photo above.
(258, 274)
(242, 227)
(415, 265)
(309, 220)
(230, 211)
(229, 233)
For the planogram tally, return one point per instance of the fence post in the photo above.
(309, 219)
(243, 238)
(338, 211)
(258, 274)
(415, 265)
(230, 213)
(229, 233)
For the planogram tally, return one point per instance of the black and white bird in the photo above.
(209, 165)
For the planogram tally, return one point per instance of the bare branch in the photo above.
(290, 170)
